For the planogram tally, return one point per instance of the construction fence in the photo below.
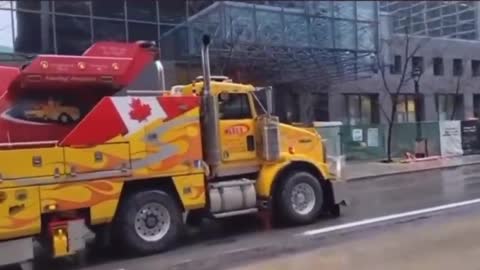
(369, 142)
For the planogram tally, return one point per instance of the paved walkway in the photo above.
(362, 170)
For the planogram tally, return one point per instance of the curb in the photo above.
(373, 177)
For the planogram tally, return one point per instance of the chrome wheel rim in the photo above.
(152, 222)
(303, 198)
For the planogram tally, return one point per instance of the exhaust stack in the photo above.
(209, 114)
(160, 75)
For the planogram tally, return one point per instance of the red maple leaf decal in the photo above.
(139, 111)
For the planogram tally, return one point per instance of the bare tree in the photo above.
(455, 99)
(393, 88)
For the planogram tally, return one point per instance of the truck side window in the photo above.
(234, 106)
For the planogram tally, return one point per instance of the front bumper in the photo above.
(340, 192)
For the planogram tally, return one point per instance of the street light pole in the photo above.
(416, 77)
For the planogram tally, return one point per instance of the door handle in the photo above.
(250, 143)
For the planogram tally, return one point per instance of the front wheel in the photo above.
(148, 222)
(299, 198)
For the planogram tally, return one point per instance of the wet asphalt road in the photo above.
(237, 241)
(443, 242)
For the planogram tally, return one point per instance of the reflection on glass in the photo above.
(175, 11)
(29, 5)
(208, 23)
(344, 9)
(366, 10)
(34, 33)
(73, 7)
(366, 37)
(6, 31)
(320, 8)
(110, 9)
(296, 30)
(239, 24)
(142, 10)
(142, 31)
(109, 30)
(353, 109)
(344, 35)
(269, 27)
(366, 108)
(5, 4)
(321, 32)
(73, 34)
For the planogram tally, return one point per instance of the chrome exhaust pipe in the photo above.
(206, 64)
(209, 114)
(160, 75)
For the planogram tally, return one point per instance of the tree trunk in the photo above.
(390, 128)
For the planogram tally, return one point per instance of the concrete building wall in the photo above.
(429, 84)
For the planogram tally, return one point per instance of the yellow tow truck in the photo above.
(140, 165)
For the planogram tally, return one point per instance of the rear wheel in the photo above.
(148, 222)
(65, 118)
(299, 198)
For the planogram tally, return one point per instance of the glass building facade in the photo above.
(340, 35)
(451, 19)
(296, 46)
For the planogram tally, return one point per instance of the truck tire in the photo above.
(65, 118)
(299, 198)
(148, 222)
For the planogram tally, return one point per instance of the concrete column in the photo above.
(430, 107)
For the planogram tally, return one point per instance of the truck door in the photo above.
(236, 127)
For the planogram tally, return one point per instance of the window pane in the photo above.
(296, 27)
(269, 27)
(109, 30)
(29, 5)
(366, 108)
(235, 106)
(110, 9)
(321, 33)
(239, 24)
(73, 7)
(353, 109)
(344, 35)
(6, 31)
(5, 4)
(344, 9)
(173, 11)
(142, 31)
(366, 10)
(33, 33)
(142, 10)
(73, 34)
(366, 37)
(321, 8)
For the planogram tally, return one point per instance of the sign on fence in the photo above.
(451, 138)
(470, 137)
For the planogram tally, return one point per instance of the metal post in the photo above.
(417, 112)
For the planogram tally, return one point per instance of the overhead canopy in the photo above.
(280, 44)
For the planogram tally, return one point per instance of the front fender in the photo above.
(268, 173)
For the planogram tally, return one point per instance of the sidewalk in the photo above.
(361, 170)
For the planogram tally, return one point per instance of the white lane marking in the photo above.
(389, 217)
